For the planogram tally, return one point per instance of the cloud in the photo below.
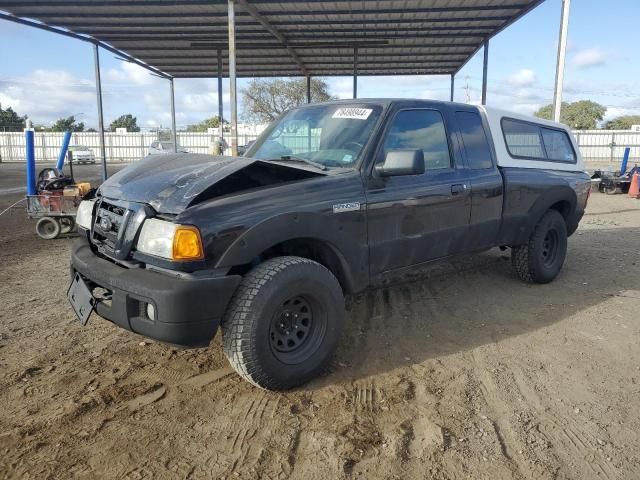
(590, 57)
(46, 95)
(522, 78)
(130, 73)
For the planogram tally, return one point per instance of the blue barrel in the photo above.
(63, 150)
(625, 160)
(31, 162)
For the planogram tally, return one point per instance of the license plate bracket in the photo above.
(81, 299)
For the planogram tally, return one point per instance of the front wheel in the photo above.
(541, 259)
(282, 325)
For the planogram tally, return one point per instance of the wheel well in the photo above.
(564, 208)
(311, 248)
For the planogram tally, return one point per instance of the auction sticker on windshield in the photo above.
(354, 113)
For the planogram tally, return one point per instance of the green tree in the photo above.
(622, 123)
(67, 124)
(265, 99)
(127, 121)
(203, 126)
(581, 115)
(10, 121)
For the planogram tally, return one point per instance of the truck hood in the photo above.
(171, 183)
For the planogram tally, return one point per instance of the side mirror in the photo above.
(401, 162)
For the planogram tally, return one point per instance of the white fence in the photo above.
(608, 145)
(120, 147)
(596, 146)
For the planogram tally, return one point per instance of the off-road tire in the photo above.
(248, 334)
(48, 228)
(533, 262)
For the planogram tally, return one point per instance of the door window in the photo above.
(420, 130)
(474, 138)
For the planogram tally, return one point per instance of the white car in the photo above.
(82, 154)
(164, 147)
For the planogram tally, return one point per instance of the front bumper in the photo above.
(188, 310)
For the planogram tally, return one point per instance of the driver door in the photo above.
(417, 218)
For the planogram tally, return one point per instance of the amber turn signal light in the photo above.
(187, 244)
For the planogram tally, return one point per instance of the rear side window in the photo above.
(557, 145)
(523, 139)
(533, 141)
(420, 130)
(474, 138)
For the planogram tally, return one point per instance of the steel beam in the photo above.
(232, 77)
(275, 32)
(308, 88)
(174, 132)
(211, 46)
(258, 65)
(323, 73)
(251, 56)
(155, 20)
(103, 150)
(453, 82)
(295, 40)
(207, 3)
(220, 104)
(485, 67)
(355, 72)
(562, 51)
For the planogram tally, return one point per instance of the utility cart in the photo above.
(55, 213)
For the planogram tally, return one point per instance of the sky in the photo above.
(48, 76)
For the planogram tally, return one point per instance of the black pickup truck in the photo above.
(332, 198)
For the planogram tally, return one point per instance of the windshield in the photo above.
(330, 135)
(78, 147)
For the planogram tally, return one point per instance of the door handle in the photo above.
(458, 188)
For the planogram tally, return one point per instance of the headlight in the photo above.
(169, 240)
(84, 213)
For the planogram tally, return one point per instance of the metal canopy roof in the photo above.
(286, 37)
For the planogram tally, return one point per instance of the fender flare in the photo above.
(560, 193)
(292, 226)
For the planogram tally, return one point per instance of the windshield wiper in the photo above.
(291, 158)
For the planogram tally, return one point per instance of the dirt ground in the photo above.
(465, 373)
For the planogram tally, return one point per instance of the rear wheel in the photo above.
(48, 228)
(283, 323)
(541, 259)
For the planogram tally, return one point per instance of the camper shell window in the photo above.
(533, 141)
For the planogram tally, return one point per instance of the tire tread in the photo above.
(236, 328)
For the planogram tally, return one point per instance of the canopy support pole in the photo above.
(485, 67)
(174, 133)
(103, 150)
(355, 72)
(232, 78)
(453, 82)
(562, 50)
(308, 88)
(220, 105)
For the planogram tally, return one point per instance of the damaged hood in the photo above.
(171, 183)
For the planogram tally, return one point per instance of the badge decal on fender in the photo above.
(346, 207)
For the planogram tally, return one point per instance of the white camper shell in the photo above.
(528, 142)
